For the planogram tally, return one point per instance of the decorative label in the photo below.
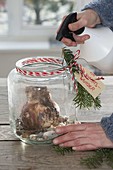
(90, 82)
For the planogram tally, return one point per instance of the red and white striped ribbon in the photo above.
(81, 69)
(20, 66)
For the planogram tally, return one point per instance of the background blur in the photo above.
(28, 28)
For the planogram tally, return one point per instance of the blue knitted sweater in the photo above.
(104, 9)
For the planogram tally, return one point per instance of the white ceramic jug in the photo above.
(98, 50)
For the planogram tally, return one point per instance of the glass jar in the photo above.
(95, 110)
(40, 95)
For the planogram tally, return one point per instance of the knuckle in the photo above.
(85, 21)
(77, 142)
(70, 134)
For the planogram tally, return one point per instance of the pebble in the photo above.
(49, 135)
(40, 139)
(33, 137)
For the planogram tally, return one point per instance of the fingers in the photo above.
(87, 136)
(70, 128)
(81, 136)
(87, 18)
(79, 143)
(85, 147)
(78, 39)
(76, 142)
(77, 25)
(73, 27)
(78, 127)
(69, 139)
(68, 42)
(81, 39)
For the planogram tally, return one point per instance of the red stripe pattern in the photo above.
(20, 66)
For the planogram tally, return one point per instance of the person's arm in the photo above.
(96, 12)
(107, 125)
(104, 9)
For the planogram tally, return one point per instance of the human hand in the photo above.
(87, 18)
(81, 137)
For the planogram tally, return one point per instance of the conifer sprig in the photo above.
(62, 150)
(96, 160)
(83, 99)
(93, 161)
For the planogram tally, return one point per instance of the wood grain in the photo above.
(4, 112)
(19, 156)
(16, 155)
(6, 133)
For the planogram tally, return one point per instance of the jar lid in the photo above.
(40, 66)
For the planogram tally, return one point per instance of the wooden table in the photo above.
(15, 155)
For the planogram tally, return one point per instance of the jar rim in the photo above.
(57, 61)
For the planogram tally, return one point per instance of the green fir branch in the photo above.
(97, 159)
(83, 99)
(62, 150)
(93, 161)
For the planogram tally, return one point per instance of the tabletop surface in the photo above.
(16, 155)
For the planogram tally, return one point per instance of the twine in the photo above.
(20, 67)
(81, 70)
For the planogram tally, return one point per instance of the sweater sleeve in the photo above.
(107, 125)
(104, 8)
